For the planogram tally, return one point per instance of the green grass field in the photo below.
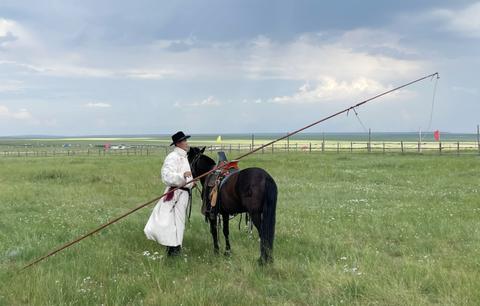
(357, 229)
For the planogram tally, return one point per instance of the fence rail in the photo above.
(309, 147)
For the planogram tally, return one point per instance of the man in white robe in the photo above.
(166, 224)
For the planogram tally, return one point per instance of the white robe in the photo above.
(167, 221)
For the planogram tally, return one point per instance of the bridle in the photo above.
(194, 162)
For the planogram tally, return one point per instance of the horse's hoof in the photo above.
(265, 261)
(227, 253)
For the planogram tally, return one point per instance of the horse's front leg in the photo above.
(213, 230)
(226, 233)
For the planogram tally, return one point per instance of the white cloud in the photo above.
(23, 66)
(14, 34)
(376, 41)
(148, 74)
(330, 89)
(7, 30)
(22, 113)
(98, 105)
(463, 21)
(10, 85)
(310, 58)
(210, 101)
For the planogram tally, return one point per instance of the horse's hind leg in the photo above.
(257, 221)
(213, 230)
(226, 233)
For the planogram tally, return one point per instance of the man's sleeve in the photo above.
(169, 175)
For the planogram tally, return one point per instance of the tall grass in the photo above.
(351, 229)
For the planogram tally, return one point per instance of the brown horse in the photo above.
(251, 190)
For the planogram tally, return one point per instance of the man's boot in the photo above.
(173, 250)
(177, 250)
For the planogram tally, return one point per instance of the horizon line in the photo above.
(30, 136)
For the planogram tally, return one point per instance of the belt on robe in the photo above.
(169, 195)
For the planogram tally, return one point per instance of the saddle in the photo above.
(215, 180)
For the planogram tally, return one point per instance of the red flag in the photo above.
(436, 135)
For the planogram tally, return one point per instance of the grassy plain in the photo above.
(352, 229)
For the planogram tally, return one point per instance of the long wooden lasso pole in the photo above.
(221, 167)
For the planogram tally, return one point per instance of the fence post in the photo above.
(338, 147)
(440, 148)
(478, 137)
(323, 146)
(369, 140)
(310, 147)
(401, 145)
(458, 147)
(383, 147)
(288, 143)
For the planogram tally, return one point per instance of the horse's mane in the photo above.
(205, 163)
(209, 160)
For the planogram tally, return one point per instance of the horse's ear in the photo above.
(203, 149)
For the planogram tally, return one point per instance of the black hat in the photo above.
(178, 136)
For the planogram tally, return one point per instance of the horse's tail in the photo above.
(268, 219)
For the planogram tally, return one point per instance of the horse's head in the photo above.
(194, 152)
(199, 163)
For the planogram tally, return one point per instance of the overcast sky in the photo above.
(142, 67)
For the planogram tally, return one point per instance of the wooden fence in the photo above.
(308, 147)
